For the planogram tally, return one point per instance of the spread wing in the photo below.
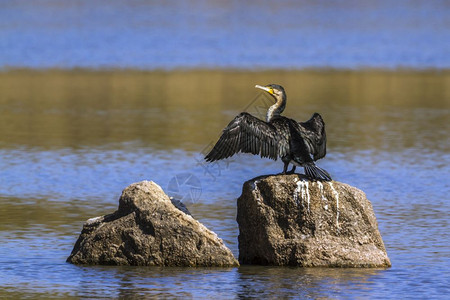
(246, 134)
(314, 135)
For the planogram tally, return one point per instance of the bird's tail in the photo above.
(316, 173)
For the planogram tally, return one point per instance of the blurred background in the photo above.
(96, 95)
(224, 34)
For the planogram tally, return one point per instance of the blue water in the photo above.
(412, 216)
(230, 34)
(398, 155)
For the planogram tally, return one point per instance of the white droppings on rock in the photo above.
(302, 189)
(307, 193)
(255, 189)
(322, 195)
(254, 185)
(297, 191)
(336, 196)
(95, 220)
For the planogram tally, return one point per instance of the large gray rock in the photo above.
(147, 230)
(286, 220)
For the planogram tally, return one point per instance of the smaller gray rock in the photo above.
(149, 230)
(288, 220)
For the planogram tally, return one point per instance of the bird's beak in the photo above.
(269, 90)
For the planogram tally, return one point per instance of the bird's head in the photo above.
(278, 93)
(275, 90)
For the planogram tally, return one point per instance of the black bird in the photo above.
(295, 143)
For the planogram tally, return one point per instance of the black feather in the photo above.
(316, 173)
(246, 134)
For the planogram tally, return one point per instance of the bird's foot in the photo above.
(292, 171)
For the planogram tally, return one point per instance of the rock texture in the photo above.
(286, 220)
(147, 230)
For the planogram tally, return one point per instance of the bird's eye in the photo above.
(271, 91)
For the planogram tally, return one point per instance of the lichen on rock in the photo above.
(287, 220)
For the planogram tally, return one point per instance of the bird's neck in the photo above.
(277, 108)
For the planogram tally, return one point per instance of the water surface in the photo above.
(70, 141)
(225, 34)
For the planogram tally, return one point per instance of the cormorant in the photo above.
(297, 143)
